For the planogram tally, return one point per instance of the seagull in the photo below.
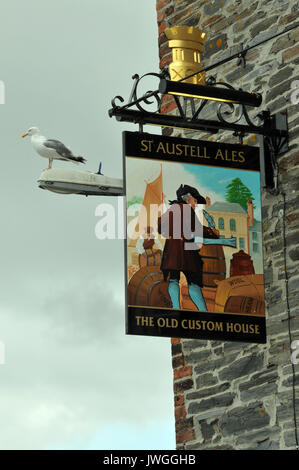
(51, 148)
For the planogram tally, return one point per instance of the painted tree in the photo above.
(236, 191)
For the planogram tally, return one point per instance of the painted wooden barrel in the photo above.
(214, 266)
(243, 286)
(150, 258)
(148, 288)
(244, 304)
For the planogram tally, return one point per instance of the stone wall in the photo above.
(236, 395)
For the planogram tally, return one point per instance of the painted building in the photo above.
(233, 221)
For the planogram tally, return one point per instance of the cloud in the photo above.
(225, 180)
(62, 382)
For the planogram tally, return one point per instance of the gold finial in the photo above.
(186, 43)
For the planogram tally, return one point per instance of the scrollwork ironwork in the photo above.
(139, 102)
(195, 114)
(228, 113)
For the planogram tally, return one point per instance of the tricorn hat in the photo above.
(185, 190)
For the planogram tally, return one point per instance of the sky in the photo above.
(72, 379)
(210, 181)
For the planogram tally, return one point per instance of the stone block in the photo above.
(213, 364)
(197, 357)
(263, 36)
(215, 45)
(207, 431)
(205, 380)
(281, 44)
(218, 401)
(285, 411)
(209, 391)
(290, 439)
(278, 90)
(235, 347)
(259, 437)
(192, 344)
(244, 366)
(269, 375)
(274, 328)
(267, 444)
(289, 381)
(280, 76)
(279, 104)
(242, 419)
(209, 414)
(258, 393)
(239, 73)
(212, 7)
(243, 24)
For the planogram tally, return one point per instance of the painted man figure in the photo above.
(181, 227)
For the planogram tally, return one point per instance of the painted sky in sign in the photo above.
(217, 179)
(210, 181)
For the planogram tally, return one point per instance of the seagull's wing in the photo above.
(60, 148)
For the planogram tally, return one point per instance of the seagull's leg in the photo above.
(50, 164)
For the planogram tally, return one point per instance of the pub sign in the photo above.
(194, 259)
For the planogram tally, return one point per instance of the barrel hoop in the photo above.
(212, 257)
(150, 290)
(142, 280)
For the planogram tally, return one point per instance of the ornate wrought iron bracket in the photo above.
(230, 116)
(272, 145)
(235, 117)
(134, 100)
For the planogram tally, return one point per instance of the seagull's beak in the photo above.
(24, 135)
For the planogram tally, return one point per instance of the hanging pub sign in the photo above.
(194, 260)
